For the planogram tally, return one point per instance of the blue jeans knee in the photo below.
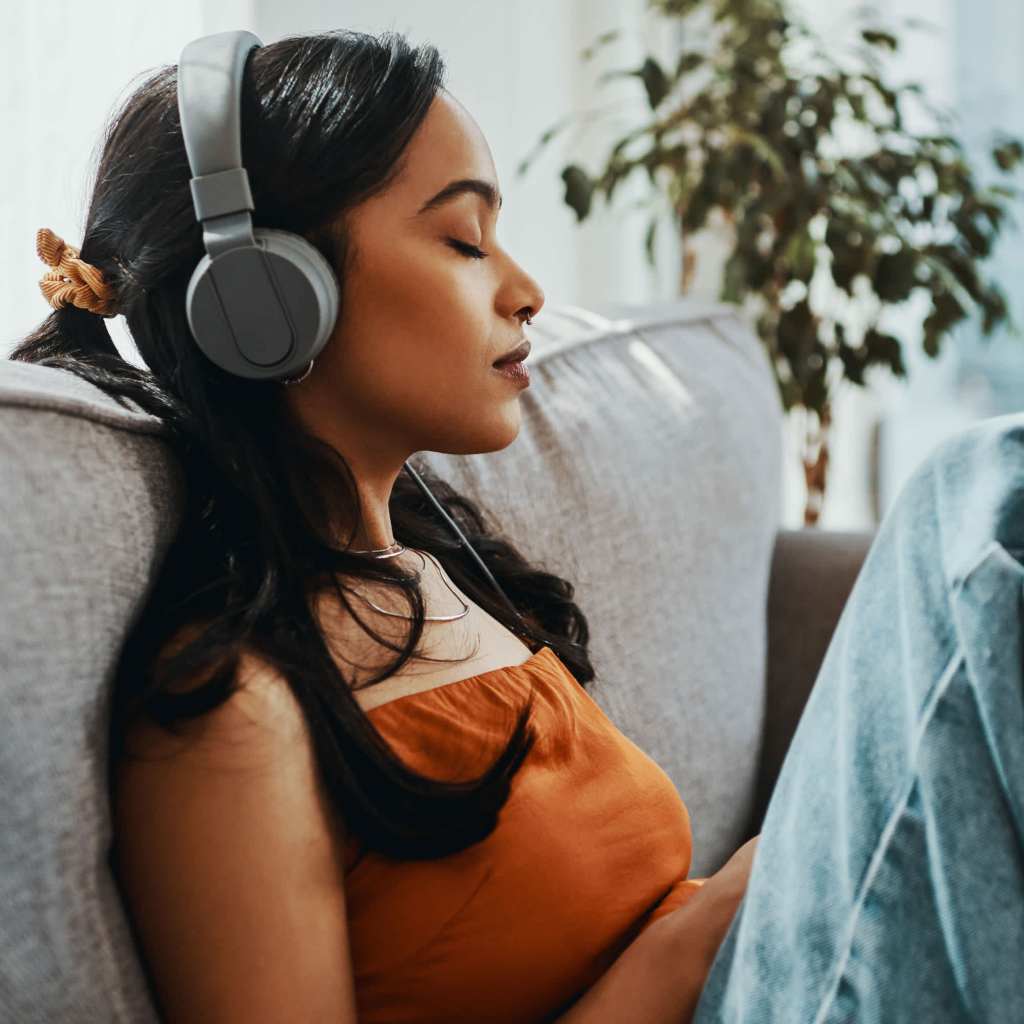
(888, 883)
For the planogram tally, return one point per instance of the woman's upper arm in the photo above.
(231, 865)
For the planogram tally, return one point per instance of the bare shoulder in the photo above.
(261, 717)
(228, 853)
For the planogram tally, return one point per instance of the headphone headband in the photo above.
(263, 302)
(210, 74)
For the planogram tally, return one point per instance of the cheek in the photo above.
(416, 337)
(425, 402)
(409, 285)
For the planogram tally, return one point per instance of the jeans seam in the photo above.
(878, 855)
(1004, 554)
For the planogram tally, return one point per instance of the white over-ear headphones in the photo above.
(262, 302)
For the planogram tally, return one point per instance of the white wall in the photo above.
(65, 67)
(515, 66)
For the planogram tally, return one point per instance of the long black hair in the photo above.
(325, 121)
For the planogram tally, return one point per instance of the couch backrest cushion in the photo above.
(90, 498)
(647, 472)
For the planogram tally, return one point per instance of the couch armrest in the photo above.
(812, 573)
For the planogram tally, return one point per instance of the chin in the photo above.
(499, 433)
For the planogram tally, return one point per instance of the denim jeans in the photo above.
(888, 882)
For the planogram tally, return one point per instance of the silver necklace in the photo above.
(393, 552)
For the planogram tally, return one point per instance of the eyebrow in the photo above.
(457, 188)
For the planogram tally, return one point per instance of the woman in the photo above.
(311, 819)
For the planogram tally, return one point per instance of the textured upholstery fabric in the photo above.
(647, 471)
(89, 501)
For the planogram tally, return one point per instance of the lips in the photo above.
(517, 355)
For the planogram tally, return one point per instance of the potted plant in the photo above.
(749, 125)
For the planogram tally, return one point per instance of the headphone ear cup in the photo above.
(263, 312)
(323, 282)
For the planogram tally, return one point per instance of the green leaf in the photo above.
(854, 360)
(799, 256)
(877, 37)
(602, 40)
(705, 196)
(734, 278)
(995, 308)
(888, 95)
(616, 171)
(895, 275)
(884, 348)
(655, 82)
(796, 334)
(963, 267)
(762, 147)
(546, 136)
(1007, 155)
(651, 73)
(857, 106)
(626, 140)
(852, 246)
(688, 62)
(965, 219)
(946, 312)
(652, 229)
(579, 190)
(1003, 191)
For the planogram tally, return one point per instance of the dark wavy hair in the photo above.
(325, 122)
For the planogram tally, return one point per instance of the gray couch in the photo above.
(647, 471)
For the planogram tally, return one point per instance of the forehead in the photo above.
(448, 145)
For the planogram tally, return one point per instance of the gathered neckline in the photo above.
(545, 650)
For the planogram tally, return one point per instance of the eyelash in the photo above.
(467, 250)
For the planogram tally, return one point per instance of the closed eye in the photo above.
(466, 249)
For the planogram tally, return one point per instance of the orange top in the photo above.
(593, 844)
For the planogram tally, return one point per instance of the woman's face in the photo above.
(409, 365)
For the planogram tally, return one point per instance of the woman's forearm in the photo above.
(658, 978)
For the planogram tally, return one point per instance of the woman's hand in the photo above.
(660, 975)
(715, 904)
(730, 881)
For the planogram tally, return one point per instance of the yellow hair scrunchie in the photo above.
(72, 280)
